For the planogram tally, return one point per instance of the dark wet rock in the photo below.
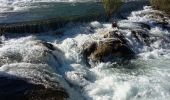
(116, 34)
(1, 42)
(113, 46)
(142, 36)
(114, 24)
(46, 44)
(42, 54)
(18, 89)
(145, 26)
(42, 93)
(108, 50)
(1, 32)
(89, 48)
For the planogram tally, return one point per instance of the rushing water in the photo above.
(30, 10)
(46, 10)
(14, 5)
(145, 78)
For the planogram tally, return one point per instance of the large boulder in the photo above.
(19, 89)
(96, 24)
(108, 49)
(33, 51)
(29, 71)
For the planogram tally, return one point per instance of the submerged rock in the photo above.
(141, 36)
(96, 24)
(33, 51)
(145, 26)
(35, 65)
(45, 44)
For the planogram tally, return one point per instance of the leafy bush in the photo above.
(110, 6)
(163, 5)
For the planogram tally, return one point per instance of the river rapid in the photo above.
(56, 61)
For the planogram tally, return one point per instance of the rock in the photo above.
(116, 34)
(158, 17)
(145, 26)
(107, 50)
(88, 49)
(114, 24)
(34, 51)
(0, 42)
(45, 44)
(42, 93)
(19, 89)
(110, 49)
(48, 45)
(1, 32)
(142, 36)
(114, 45)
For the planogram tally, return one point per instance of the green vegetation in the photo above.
(163, 5)
(110, 6)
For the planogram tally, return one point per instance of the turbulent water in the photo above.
(14, 5)
(28, 10)
(145, 78)
(20, 5)
(12, 11)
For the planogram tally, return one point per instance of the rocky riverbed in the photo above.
(123, 60)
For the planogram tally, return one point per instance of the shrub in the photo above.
(163, 5)
(110, 6)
